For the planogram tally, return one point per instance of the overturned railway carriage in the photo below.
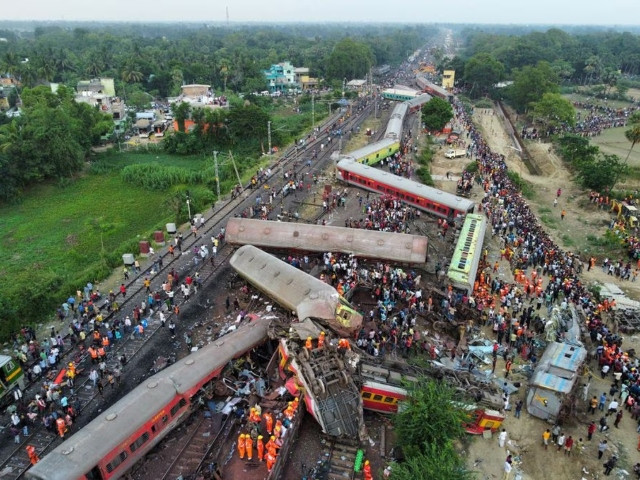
(466, 256)
(375, 152)
(428, 199)
(416, 103)
(296, 290)
(114, 441)
(287, 236)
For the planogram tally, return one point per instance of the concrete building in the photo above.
(448, 79)
(101, 93)
(284, 77)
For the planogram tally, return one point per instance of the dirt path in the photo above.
(581, 221)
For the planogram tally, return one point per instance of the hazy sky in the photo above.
(591, 12)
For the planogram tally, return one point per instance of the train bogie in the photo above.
(114, 441)
(428, 199)
(376, 152)
(295, 290)
(287, 236)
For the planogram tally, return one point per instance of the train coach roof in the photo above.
(406, 185)
(372, 148)
(290, 287)
(85, 448)
(89, 445)
(419, 100)
(396, 247)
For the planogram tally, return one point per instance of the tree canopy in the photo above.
(552, 111)
(481, 73)
(436, 113)
(50, 139)
(530, 83)
(349, 59)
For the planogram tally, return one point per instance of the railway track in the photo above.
(16, 461)
(341, 459)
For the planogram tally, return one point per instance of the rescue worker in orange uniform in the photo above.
(343, 344)
(268, 418)
(288, 412)
(278, 430)
(321, 340)
(260, 445)
(295, 403)
(241, 445)
(62, 426)
(33, 456)
(271, 460)
(248, 446)
(272, 446)
(94, 354)
(254, 416)
(308, 344)
(367, 471)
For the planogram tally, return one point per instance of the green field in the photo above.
(51, 243)
(613, 141)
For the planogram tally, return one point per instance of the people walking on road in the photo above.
(502, 438)
(602, 447)
(546, 435)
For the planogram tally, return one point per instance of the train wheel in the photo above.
(304, 354)
(320, 385)
(344, 379)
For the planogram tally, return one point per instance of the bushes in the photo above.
(425, 176)
(153, 176)
(471, 167)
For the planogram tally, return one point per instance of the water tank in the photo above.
(128, 259)
(171, 228)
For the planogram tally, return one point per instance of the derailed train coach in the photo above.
(415, 194)
(296, 290)
(287, 236)
(114, 441)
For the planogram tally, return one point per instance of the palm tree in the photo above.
(131, 75)
(633, 134)
(10, 63)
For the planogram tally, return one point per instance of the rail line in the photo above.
(17, 463)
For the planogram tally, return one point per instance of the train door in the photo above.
(94, 474)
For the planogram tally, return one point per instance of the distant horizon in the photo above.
(313, 22)
(614, 13)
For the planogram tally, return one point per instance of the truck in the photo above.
(452, 153)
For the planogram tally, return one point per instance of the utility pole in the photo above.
(215, 165)
(269, 136)
(233, 162)
(313, 111)
(189, 205)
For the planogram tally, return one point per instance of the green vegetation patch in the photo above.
(51, 243)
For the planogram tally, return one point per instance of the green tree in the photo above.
(481, 72)
(575, 148)
(633, 133)
(601, 173)
(553, 110)
(181, 113)
(531, 83)
(436, 463)
(430, 416)
(436, 113)
(349, 59)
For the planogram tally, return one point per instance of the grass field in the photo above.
(613, 141)
(51, 243)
